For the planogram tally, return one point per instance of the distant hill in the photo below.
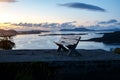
(31, 32)
(76, 29)
(114, 29)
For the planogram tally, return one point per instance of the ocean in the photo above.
(43, 41)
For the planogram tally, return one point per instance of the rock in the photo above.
(108, 38)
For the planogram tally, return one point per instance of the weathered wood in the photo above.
(68, 43)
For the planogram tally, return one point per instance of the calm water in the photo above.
(34, 41)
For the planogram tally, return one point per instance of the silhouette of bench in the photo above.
(68, 43)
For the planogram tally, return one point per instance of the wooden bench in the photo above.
(68, 43)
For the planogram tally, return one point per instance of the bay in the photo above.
(43, 41)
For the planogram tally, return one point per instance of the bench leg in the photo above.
(73, 51)
(61, 47)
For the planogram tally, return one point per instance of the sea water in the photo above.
(42, 41)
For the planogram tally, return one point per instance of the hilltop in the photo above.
(76, 29)
(32, 32)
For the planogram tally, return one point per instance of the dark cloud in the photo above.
(68, 25)
(65, 25)
(71, 25)
(118, 23)
(107, 25)
(83, 6)
(108, 22)
(8, 0)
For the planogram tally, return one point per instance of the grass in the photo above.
(25, 71)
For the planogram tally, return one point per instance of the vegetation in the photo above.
(117, 50)
(6, 44)
(25, 71)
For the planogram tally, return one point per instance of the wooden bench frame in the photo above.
(65, 45)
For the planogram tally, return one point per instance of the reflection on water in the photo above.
(33, 41)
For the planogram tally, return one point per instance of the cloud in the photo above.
(108, 22)
(118, 23)
(8, 0)
(52, 26)
(83, 6)
(106, 25)
(68, 25)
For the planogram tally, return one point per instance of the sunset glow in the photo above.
(84, 12)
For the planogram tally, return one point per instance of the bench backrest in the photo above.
(69, 40)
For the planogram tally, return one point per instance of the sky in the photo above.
(71, 12)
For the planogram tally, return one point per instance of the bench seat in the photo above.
(68, 43)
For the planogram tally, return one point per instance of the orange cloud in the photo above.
(7, 0)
